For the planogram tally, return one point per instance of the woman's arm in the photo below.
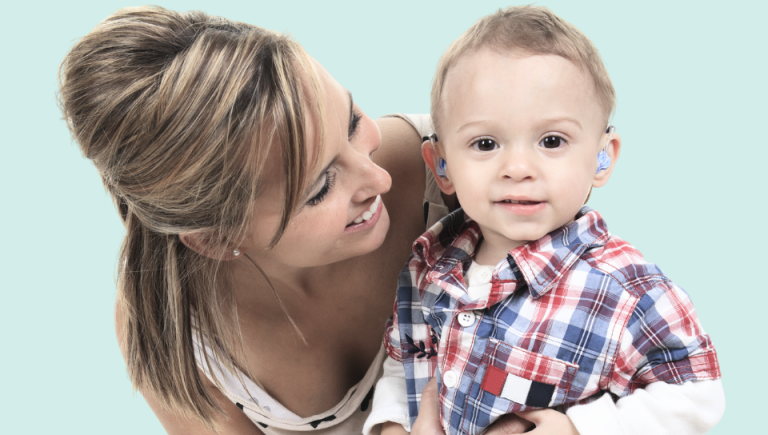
(236, 424)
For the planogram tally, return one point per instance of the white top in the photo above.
(273, 418)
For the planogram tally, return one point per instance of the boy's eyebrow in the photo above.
(469, 124)
(564, 119)
(545, 121)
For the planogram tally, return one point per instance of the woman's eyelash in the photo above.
(353, 123)
(320, 196)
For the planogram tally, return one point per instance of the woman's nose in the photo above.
(375, 180)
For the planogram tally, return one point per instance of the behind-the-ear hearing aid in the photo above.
(440, 167)
(603, 161)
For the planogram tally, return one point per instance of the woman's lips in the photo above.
(368, 218)
(522, 207)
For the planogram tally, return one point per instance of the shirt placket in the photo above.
(461, 342)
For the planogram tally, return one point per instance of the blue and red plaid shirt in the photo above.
(569, 316)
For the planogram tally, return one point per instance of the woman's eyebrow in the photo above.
(351, 107)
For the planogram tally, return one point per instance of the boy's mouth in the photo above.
(523, 202)
(521, 207)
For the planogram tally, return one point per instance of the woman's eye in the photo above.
(354, 121)
(552, 142)
(485, 145)
(327, 186)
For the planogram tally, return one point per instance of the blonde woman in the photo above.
(266, 221)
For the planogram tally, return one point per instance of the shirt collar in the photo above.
(451, 240)
(542, 262)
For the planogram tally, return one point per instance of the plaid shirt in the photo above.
(570, 315)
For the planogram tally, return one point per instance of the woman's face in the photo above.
(340, 215)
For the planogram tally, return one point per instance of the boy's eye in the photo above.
(485, 145)
(552, 142)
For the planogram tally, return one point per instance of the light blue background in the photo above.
(689, 189)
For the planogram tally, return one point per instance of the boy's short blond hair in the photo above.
(532, 29)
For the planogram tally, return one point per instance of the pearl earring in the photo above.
(236, 252)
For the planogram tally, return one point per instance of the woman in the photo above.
(266, 221)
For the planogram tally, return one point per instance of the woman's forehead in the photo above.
(336, 105)
(322, 144)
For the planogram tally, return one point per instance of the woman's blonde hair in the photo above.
(178, 112)
(532, 29)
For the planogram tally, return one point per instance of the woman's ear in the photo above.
(204, 243)
(431, 155)
(613, 149)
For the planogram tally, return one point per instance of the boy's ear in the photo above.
(203, 243)
(613, 150)
(431, 155)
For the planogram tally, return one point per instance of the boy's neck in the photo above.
(493, 247)
(489, 252)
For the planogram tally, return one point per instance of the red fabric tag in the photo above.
(494, 380)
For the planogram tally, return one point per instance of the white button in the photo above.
(450, 379)
(483, 275)
(466, 319)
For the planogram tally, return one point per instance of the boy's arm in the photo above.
(691, 408)
(390, 402)
(662, 341)
(665, 373)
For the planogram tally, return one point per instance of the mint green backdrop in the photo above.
(688, 189)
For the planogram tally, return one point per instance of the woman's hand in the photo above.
(428, 421)
(549, 421)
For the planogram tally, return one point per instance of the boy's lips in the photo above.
(521, 206)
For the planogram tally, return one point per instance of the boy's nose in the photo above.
(518, 165)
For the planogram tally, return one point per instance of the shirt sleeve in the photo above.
(392, 338)
(663, 342)
(390, 401)
(691, 408)
(409, 338)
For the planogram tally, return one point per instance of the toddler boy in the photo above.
(522, 299)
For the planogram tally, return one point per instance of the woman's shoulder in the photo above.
(400, 151)
(400, 155)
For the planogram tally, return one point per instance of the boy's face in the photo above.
(520, 134)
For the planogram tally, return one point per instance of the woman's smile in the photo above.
(368, 218)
